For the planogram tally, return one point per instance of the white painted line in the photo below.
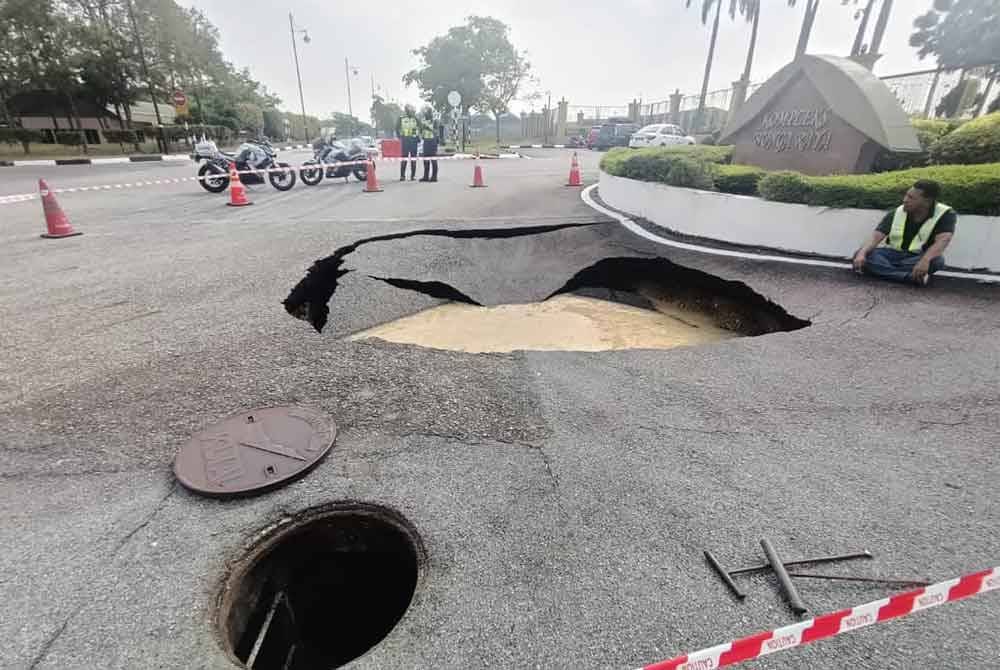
(177, 157)
(109, 161)
(536, 146)
(34, 163)
(558, 146)
(814, 262)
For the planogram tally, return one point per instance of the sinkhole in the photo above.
(617, 303)
(321, 590)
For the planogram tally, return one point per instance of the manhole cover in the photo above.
(254, 451)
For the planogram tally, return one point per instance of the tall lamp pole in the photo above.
(295, 52)
(347, 75)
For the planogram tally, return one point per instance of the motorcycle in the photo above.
(252, 155)
(332, 151)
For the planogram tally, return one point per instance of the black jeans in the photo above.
(430, 149)
(409, 149)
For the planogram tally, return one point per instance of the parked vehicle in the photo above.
(576, 142)
(659, 135)
(595, 131)
(615, 134)
(333, 151)
(252, 155)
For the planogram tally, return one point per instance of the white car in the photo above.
(659, 135)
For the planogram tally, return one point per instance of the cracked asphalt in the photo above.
(563, 498)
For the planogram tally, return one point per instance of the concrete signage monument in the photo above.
(819, 115)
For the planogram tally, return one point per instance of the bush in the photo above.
(678, 166)
(21, 135)
(970, 189)
(738, 179)
(928, 132)
(784, 187)
(121, 136)
(692, 173)
(72, 138)
(976, 141)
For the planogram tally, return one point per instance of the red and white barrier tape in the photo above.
(834, 623)
(23, 197)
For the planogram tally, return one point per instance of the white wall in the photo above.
(754, 221)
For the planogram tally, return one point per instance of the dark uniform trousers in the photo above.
(430, 167)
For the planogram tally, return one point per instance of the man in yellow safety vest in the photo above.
(429, 134)
(915, 235)
(408, 131)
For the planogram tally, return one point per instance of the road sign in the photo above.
(180, 100)
(454, 98)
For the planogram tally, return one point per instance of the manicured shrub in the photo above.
(738, 179)
(784, 186)
(692, 173)
(976, 141)
(970, 189)
(72, 138)
(928, 132)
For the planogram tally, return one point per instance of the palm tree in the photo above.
(706, 9)
(807, 23)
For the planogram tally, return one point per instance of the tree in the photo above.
(959, 33)
(505, 72)
(346, 125)
(384, 114)
(476, 59)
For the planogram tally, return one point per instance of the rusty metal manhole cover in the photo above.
(254, 451)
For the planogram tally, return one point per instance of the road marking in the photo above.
(632, 226)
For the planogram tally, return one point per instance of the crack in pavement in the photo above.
(44, 651)
(868, 311)
(309, 299)
(149, 517)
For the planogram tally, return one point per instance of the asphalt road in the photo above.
(563, 498)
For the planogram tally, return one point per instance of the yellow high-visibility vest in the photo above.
(427, 130)
(408, 126)
(895, 239)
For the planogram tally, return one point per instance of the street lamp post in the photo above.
(295, 52)
(547, 117)
(347, 75)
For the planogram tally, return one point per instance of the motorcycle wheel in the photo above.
(311, 175)
(213, 184)
(284, 180)
(361, 172)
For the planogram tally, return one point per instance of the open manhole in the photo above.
(322, 589)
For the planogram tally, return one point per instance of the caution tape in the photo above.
(23, 197)
(836, 623)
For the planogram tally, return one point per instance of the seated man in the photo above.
(916, 234)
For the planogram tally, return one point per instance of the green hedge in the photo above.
(121, 136)
(21, 135)
(970, 189)
(738, 179)
(615, 159)
(976, 141)
(72, 138)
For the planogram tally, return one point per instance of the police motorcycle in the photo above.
(256, 154)
(330, 150)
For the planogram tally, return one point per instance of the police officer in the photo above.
(408, 131)
(429, 133)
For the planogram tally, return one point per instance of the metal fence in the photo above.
(923, 93)
(920, 93)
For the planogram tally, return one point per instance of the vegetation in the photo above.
(971, 189)
(476, 59)
(928, 132)
(958, 32)
(976, 141)
(89, 50)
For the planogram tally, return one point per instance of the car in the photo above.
(615, 134)
(659, 135)
(592, 136)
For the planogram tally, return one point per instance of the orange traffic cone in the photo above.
(574, 173)
(237, 192)
(55, 220)
(477, 175)
(371, 183)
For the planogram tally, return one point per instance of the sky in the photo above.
(591, 53)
